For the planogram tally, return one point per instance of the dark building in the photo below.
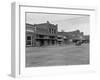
(41, 34)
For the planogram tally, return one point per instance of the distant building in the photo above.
(87, 38)
(69, 37)
(41, 34)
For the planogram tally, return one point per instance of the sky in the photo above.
(66, 22)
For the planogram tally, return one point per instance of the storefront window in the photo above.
(28, 40)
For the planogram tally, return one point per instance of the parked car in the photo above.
(78, 43)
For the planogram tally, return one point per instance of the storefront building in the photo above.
(43, 34)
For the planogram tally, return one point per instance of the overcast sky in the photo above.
(65, 22)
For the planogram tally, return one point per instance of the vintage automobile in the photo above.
(78, 42)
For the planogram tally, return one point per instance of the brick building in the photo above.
(41, 34)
